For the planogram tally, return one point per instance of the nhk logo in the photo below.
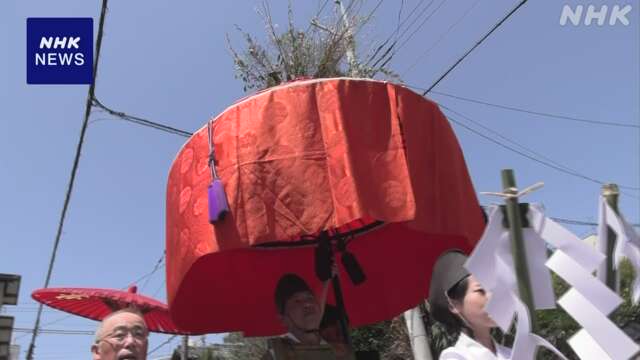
(59, 50)
(588, 15)
(56, 58)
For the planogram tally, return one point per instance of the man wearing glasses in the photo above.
(122, 335)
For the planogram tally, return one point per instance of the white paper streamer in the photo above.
(525, 343)
(627, 243)
(563, 239)
(605, 334)
(586, 347)
(491, 263)
(588, 301)
(582, 281)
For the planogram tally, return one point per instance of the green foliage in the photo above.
(317, 52)
(557, 326)
(247, 349)
(439, 336)
(207, 354)
(175, 355)
(627, 312)
(372, 337)
(389, 338)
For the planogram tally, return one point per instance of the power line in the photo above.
(367, 18)
(444, 35)
(141, 121)
(528, 156)
(400, 15)
(496, 26)
(419, 27)
(161, 345)
(157, 267)
(74, 170)
(49, 323)
(572, 221)
(395, 33)
(316, 16)
(157, 290)
(515, 143)
(396, 49)
(539, 113)
(580, 222)
(56, 331)
(557, 165)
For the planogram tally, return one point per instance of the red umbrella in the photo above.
(96, 304)
(371, 164)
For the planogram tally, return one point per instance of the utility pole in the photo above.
(417, 334)
(351, 47)
(185, 348)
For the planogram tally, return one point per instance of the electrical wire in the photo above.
(74, 171)
(515, 143)
(156, 267)
(395, 33)
(161, 345)
(539, 113)
(316, 16)
(419, 27)
(528, 156)
(494, 28)
(55, 331)
(442, 37)
(141, 121)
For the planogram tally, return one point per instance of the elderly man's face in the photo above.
(122, 337)
(302, 311)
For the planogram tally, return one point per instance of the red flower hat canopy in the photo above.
(296, 160)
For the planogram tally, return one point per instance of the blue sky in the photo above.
(168, 62)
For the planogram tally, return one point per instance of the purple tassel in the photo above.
(218, 206)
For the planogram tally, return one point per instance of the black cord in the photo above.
(539, 113)
(496, 26)
(74, 171)
(141, 121)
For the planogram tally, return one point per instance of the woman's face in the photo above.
(471, 308)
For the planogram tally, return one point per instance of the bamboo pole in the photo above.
(517, 243)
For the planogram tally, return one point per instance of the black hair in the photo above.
(459, 290)
(457, 294)
(288, 285)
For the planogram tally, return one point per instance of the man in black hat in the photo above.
(298, 309)
(300, 312)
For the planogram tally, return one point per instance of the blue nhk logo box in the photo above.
(59, 50)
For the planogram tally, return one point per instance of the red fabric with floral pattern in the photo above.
(305, 157)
